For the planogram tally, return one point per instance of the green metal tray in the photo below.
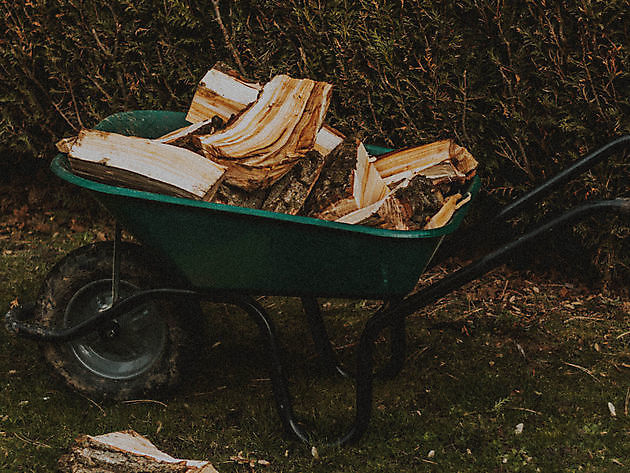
(223, 247)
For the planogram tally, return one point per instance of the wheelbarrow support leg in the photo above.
(326, 353)
(321, 340)
(278, 376)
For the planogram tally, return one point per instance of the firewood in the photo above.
(335, 181)
(443, 216)
(270, 136)
(124, 452)
(232, 195)
(183, 137)
(327, 139)
(338, 209)
(290, 192)
(142, 164)
(385, 213)
(408, 207)
(221, 92)
(224, 93)
(398, 165)
(347, 175)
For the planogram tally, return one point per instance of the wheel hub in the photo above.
(125, 348)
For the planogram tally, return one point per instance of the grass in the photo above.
(509, 349)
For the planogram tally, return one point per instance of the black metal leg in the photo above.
(382, 319)
(325, 351)
(278, 377)
(398, 347)
(320, 337)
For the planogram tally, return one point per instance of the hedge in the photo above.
(527, 87)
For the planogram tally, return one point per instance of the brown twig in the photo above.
(95, 404)
(74, 102)
(583, 369)
(226, 36)
(145, 401)
(524, 409)
(25, 439)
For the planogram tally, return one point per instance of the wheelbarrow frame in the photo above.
(396, 307)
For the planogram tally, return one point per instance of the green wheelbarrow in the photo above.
(120, 317)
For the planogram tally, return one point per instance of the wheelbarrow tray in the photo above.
(228, 248)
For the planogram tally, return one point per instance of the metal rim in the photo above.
(133, 343)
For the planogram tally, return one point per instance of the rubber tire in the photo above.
(185, 325)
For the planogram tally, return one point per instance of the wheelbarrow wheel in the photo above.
(144, 350)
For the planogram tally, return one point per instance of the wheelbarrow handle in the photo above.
(388, 318)
(15, 317)
(561, 178)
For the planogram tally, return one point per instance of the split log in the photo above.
(349, 182)
(444, 215)
(291, 191)
(221, 92)
(408, 207)
(224, 93)
(232, 195)
(287, 195)
(265, 141)
(183, 137)
(398, 165)
(142, 164)
(335, 181)
(125, 452)
(385, 213)
(337, 210)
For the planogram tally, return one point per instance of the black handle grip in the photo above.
(15, 317)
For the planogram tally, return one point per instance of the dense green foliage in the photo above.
(526, 86)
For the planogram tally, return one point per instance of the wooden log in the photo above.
(368, 186)
(143, 164)
(232, 195)
(287, 195)
(402, 164)
(335, 181)
(183, 137)
(444, 215)
(337, 210)
(272, 134)
(224, 93)
(348, 175)
(386, 213)
(124, 452)
(221, 92)
(291, 191)
(408, 207)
